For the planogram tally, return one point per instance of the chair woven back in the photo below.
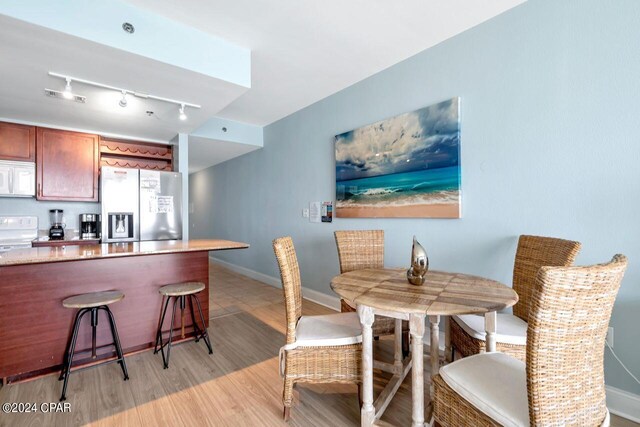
(360, 249)
(570, 312)
(291, 284)
(534, 252)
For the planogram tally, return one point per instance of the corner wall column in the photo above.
(182, 162)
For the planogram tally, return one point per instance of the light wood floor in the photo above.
(236, 386)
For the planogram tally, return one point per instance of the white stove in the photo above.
(17, 232)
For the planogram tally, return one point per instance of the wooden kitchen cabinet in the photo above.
(66, 165)
(17, 142)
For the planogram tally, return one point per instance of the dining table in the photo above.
(387, 292)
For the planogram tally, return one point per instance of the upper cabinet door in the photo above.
(17, 142)
(67, 165)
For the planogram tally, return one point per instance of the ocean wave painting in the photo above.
(407, 166)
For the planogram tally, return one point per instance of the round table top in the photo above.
(441, 294)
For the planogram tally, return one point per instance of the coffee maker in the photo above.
(56, 232)
(90, 226)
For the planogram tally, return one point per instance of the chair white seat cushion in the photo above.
(510, 329)
(328, 330)
(494, 383)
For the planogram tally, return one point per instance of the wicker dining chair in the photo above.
(359, 250)
(468, 332)
(562, 382)
(318, 349)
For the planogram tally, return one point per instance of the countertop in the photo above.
(112, 250)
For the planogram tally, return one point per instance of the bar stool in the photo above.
(91, 303)
(179, 292)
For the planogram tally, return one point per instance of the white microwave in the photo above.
(17, 179)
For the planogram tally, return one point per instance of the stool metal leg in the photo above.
(66, 353)
(205, 335)
(165, 360)
(116, 342)
(161, 322)
(182, 307)
(66, 370)
(196, 329)
(94, 325)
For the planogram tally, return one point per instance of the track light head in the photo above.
(182, 116)
(123, 101)
(67, 90)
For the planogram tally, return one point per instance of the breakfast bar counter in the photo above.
(75, 252)
(34, 326)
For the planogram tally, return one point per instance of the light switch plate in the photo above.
(305, 213)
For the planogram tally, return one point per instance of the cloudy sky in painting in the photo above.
(425, 138)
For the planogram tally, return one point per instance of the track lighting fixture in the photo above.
(125, 92)
(123, 101)
(67, 90)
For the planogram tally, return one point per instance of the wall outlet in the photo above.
(610, 336)
(305, 213)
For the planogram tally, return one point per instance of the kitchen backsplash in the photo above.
(30, 206)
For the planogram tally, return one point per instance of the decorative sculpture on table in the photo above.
(419, 264)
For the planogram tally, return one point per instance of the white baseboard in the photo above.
(619, 402)
(329, 301)
(623, 404)
(264, 278)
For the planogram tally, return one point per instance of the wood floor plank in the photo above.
(238, 385)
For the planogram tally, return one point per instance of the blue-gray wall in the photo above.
(550, 146)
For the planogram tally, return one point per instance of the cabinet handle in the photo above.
(39, 193)
(11, 172)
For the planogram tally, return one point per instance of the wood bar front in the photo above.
(35, 327)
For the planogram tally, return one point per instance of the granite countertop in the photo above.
(112, 250)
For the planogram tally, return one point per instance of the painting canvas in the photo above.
(407, 166)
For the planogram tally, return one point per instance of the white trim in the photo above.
(623, 404)
(329, 301)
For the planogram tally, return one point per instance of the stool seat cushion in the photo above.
(328, 330)
(94, 299)
(510, 329)
(180, 289)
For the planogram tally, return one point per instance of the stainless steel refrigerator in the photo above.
(140, 205)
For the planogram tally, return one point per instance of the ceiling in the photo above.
(28, 52)
(306, 50)
(301, 52)
(206, 152)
